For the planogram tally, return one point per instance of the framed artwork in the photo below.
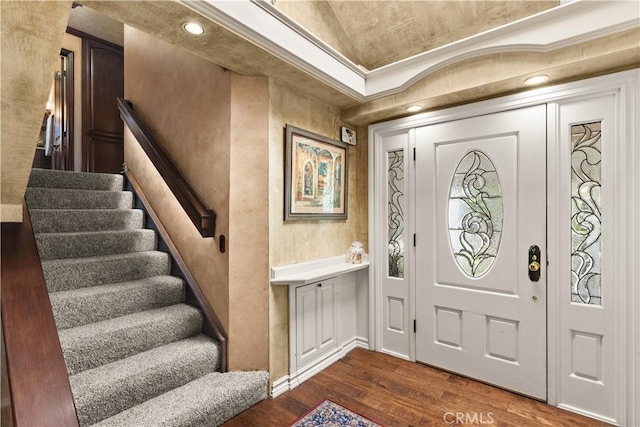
(315, 176)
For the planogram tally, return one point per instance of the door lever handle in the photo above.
(534, 263)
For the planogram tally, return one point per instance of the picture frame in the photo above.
(316, 176)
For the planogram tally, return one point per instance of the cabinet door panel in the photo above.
(306, 323)
(316, 321)
(326, 313)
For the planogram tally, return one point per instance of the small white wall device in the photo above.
(348, 135)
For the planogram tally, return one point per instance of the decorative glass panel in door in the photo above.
(395, 213)
(475, 214)
(586, 218)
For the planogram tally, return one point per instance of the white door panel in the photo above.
(587, 282)
(480, 204)
(395, 278)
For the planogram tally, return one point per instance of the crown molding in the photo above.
(262, 25)
(266, 26)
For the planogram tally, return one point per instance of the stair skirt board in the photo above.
(134, 349)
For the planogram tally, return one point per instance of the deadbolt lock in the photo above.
(534, 263)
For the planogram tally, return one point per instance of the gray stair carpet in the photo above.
(134, 350)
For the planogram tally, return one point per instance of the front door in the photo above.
(480, 215)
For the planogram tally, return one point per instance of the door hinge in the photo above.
(414, 325)
(414, 154)
(414, 239)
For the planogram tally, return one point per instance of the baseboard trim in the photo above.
(587, 414)
(362, 342)
(294, 379)
(280, 386)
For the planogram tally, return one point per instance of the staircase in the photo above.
(134, 350)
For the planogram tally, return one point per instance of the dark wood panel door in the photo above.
(62, 151)
(103, 148)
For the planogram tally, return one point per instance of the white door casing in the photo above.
(488, 321)
(621, 157)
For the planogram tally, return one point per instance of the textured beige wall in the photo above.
(249, 224)
(31, 37)
(299, 241)
(185, 101)
(214, 124)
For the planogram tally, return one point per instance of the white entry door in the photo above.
(480, 207)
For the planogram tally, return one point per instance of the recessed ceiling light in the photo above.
(193, 28)
(414, 108)
(536, 80)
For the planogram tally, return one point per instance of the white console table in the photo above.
(328, 314)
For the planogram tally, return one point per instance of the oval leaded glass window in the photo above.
(475, 214)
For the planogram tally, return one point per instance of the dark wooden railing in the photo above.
(212, 326)
(38, 380)
(203, 218)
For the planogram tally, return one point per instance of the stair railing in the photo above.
(203, 218)
(38, 382)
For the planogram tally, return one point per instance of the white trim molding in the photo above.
(294, 379)
(264, 25)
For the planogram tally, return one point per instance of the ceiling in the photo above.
(371, 33)
(379, 32)
(96, 24)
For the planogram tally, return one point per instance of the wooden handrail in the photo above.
(38, 380)
(212, 325)
(202, 217)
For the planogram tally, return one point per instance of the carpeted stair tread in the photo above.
(79, 180)
(79, 307)
(89, 346)
(76, 220)
(109, 389)
(94, 243)
(207, 401)
(63, 198)
(74, 273)
(133, 348)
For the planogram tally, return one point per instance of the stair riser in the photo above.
(208, 401)
(63, 275)
(79, 245)
(80, 180)
(96, 344)
(51, 198)
(145, 376)
(61, 220)
(84, 306)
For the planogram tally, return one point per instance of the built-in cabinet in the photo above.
(328, 314)
(316, 326)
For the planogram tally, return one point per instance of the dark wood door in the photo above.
(102, 145)
(62, 150)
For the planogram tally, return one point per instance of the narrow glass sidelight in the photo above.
(586, 214)
(475, 214)
(395, 213)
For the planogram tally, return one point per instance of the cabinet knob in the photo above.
(319, 285)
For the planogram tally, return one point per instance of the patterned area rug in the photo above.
(330, 414)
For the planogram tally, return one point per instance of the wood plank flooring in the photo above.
(394, 392)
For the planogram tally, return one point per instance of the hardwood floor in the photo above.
(394, 392)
